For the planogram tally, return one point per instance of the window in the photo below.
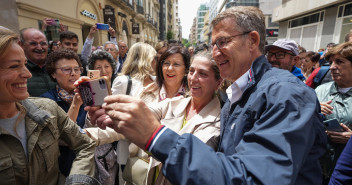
(345, 10)
(313, 18)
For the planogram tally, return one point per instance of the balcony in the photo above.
(128, 3)
(140, 9)
(169, 17)
(125, 4)
(150, 20)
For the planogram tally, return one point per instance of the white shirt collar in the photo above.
(235, 91)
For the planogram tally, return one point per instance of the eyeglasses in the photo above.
(68, 70)
(175, 65)
(36, 43)
(278, 55)
(109, 49)
(222, 42)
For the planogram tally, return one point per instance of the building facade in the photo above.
(166, 19)
(204, 36)
(272, 28)
(193, 32)
(314, 24)
(133, 20)
(178, 28)
(202, 10)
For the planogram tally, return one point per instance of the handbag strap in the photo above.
(129, 85)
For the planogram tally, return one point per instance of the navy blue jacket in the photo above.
(343, 169)
(272, 135)
(66, 155)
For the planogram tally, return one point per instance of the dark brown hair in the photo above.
(55, 56)
(313, 56)
(171, 51)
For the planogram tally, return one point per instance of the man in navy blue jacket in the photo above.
(271, 131)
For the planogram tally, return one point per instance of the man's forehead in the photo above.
(34, 35)
(73, 40)
(109, 46)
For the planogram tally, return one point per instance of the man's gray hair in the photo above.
(247, 18)
(109, 42)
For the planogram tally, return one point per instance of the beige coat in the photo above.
(171, 112)
(205, 125)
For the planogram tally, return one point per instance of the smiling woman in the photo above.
(171, 72)
(64, 67)
(30, 156)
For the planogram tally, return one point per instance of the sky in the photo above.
(187, 10)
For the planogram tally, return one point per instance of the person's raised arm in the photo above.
(87, 47)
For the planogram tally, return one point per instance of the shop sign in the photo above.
(109, 17)
(88, 14)
(272, 32)
(135, 28)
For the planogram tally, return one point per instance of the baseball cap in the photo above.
(289, 45)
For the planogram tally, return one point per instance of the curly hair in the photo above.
(57, 55)
(101, 55)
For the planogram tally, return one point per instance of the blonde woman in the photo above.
(137, 67)
(30, 128)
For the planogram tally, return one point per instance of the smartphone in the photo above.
(333, 125)
(54, 22)
(93, 74)
(101, 26)
(93, 92)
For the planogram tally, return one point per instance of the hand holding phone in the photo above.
(101, 26)
(333, 125)
(53, 22)
(93, 92)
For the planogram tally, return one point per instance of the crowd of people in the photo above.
(238, 111)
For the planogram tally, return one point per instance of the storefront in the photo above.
(78, 17)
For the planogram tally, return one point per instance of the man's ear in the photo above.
(295, 60)
(254, 39)
(59, 44)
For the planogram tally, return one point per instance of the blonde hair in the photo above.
(7, 37)
(139, 60)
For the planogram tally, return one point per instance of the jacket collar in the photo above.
(258, 68)
(208, 114)
(333, 90)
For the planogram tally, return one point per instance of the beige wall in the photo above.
(31, 11)
(68, 12)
